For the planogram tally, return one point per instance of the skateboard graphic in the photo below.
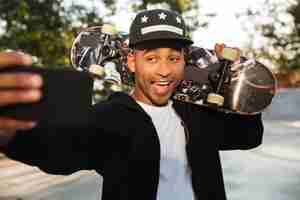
(219, 79)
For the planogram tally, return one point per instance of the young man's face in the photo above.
(157, 73)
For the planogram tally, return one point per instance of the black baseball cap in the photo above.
(158, 28)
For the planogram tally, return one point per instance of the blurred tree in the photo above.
(43, 28)
(295, 12)
(278, 22)
(36, 27)
(46, 28)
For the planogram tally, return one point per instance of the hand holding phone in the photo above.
(27, 84)
(65, 97)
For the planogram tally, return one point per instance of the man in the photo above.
(145, 145)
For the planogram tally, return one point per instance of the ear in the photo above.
(131, 62)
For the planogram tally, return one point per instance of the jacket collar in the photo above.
(127, 101)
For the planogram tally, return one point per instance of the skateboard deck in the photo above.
(220, 79)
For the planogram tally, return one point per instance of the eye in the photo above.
(151, 59)
(175, 58)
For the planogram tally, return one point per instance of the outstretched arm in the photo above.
(54, 150)
(58, 150)
(64, 150)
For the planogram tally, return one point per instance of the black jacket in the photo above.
(122, 145)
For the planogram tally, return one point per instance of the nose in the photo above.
(164, 69)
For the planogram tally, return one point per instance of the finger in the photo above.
(20, 80)
(13, 124)
(219, 48)
(14, 58)
(8, 97)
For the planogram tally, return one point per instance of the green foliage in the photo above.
(279, 24)
(36, 27)
(42, 28)
(47, 28)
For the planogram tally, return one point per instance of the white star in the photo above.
(144, 19)
(178, 20)
(162, 16)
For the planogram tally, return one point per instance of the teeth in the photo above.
(163, 82)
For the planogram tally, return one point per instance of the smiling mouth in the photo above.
(164, 86)
(163, 82)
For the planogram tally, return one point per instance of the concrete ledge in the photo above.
(22, 182)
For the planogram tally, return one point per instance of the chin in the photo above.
(160, 101)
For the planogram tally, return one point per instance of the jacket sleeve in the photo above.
(64, 150)
(227, 131)
(241, 131)
(53, 150)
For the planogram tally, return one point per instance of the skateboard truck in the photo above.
(107, 51)
(228, 55)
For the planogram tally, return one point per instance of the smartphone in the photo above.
(66, 100)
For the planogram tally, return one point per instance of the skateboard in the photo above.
(220, 79)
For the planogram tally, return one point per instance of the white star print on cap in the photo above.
(144, 19)
(162, 16)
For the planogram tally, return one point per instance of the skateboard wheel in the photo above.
(215, 99)
(115, 88)
(112, 85)
(231, 54)
(109, 29)
(98, 85)
(97, 70)
(182, 97)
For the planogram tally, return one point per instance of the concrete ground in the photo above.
(271, 171)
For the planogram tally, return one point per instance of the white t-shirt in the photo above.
(175, 177)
